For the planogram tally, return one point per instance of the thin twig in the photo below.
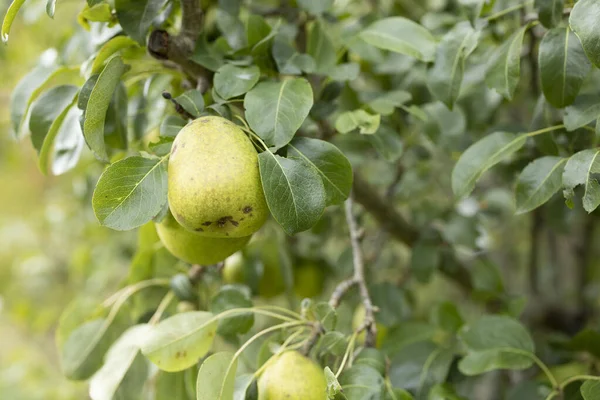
(177, 49)
(178, 107)
(359, 275)
(340, 290)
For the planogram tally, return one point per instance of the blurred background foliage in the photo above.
(51, 246)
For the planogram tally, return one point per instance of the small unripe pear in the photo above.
(214, 183)
(292, 376)
(193, 248)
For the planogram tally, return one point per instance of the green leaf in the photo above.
(445, 77)
(583, 169)
(48, 112)
(82, 352)
(294, 191)
(387, 102)
(97, 106)
(362, 382)
(232, 29)
(206, 55)
(406, 333)
(563, 66)
(242, 384)
(419, 366)
(216, 377)
(447, 317)
(503, 69)
(486, 277)
(425, 260)
(334, 389)
(135, 16)
(321, 48)
(25, 93)
(324, 313)
(231, 81)
(332, 342)
(68, 145)
(162, 147)
(288, 60)
(584, 110)
(538, 182)
(584, 22)
(590, 390)
(392, 303)
(276, 110)
(444, 392)
(366, 123)
(172, 125)
(230, 297)
(176, 385)
(315, 7)
(192, 101)
(480, 157)
(401, 35)
(99, 12)
(109, 381)
(50, 8)
(472, 8)
(344, 72)
(587, 340)
(257, 29)
(177, 342)
(496, 342)
(84, 335)
(111, 47)
(11, 13)
(373, 357)
(550, 12)
(388, 143)
(130, 192)
(331, 164)
(115, 123)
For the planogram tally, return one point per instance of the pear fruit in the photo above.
(214, 183)
(193, 248)
(292, 376)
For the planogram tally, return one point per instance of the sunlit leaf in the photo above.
(177, 343)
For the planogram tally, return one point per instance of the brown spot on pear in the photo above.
(224, 163)
(194, 248)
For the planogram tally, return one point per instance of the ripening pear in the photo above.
(193, 248)
(292, 376)
(214, 183)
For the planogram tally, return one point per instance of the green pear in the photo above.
(193, 248)
(214, 183)
(292, 376)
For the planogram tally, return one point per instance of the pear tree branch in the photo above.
(359, 276)
(177, 49)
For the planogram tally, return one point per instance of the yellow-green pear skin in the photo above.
(214, 181)
(292, 376)
(193, 248)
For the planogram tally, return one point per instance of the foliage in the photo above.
(440, 118)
